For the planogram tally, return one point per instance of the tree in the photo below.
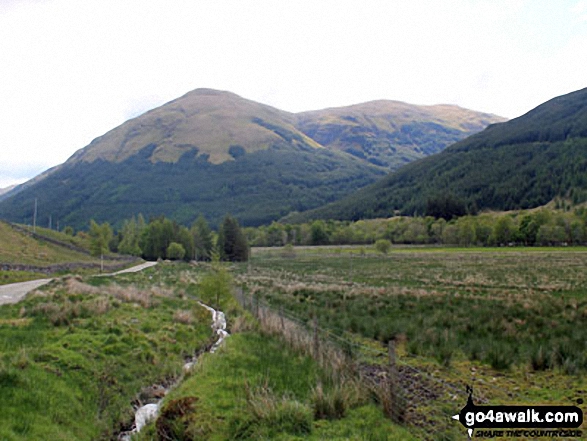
(504, 230)
(466, 231)
(186, 240)
(130, 233)
(319, 236)
(446, 206)
(383, 246)
(202, 239)
(100, 236)
(215, 286)
(156, 237)
(529, 227)
(175, 251)
(232, 243)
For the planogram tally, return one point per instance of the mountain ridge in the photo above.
(213, 152)
(521, 163)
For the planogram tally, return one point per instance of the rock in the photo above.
(188, 366)
(145, 414)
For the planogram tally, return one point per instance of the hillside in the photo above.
(392, 133)
(25, 255)
(522, 163)
(212, 152)
(6, 189)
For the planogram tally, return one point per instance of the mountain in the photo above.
(392, 133)
(7, 189)
(522, 163)
(213, 152)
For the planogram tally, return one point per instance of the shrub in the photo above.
(383, 246)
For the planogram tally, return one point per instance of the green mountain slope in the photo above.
(521, 163)
(212, 152)
(392, 133)
(218, 124)
(256, 187)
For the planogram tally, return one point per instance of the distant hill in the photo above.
(522, 163)
(6, 189)
(212, 152)
(392, 133)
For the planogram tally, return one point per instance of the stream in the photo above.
(149, 412)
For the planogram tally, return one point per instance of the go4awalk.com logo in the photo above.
(520, 421)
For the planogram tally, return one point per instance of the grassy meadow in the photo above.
(79, 353)
(509, 321)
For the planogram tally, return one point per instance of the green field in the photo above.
(510, 321)
(78, 353)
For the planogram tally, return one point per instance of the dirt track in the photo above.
(15, 292)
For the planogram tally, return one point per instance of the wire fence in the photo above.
(408, 395)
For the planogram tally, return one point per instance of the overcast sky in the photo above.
(70, 70)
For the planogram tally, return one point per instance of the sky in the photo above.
(72, 70)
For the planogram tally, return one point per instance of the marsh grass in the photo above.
(495, 306)
(259, 387)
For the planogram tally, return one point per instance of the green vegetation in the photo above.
(203, 240)
(391, 133)
(100, 237)
(76, 354)
(232, 243)
(522, 163)
(255, 388)
(383, 246)
(163, 238)
(509, 321)
(17, 247)
(546, 226)
(210, 152)
(263, 186)
(505, 309)
(26, 255)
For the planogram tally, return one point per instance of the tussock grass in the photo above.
(498, 307)
(76, 354)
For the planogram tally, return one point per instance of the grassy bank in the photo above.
(47, 249)
(257, 388)
(75, 354)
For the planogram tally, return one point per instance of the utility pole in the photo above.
(35, 218)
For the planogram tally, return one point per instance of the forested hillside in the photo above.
(522, 163)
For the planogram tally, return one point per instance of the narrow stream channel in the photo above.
(149, 412)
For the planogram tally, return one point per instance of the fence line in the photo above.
(400, 388)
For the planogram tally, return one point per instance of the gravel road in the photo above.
(15, 292)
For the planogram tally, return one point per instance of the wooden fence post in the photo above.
(316, 340)
(396, 411)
